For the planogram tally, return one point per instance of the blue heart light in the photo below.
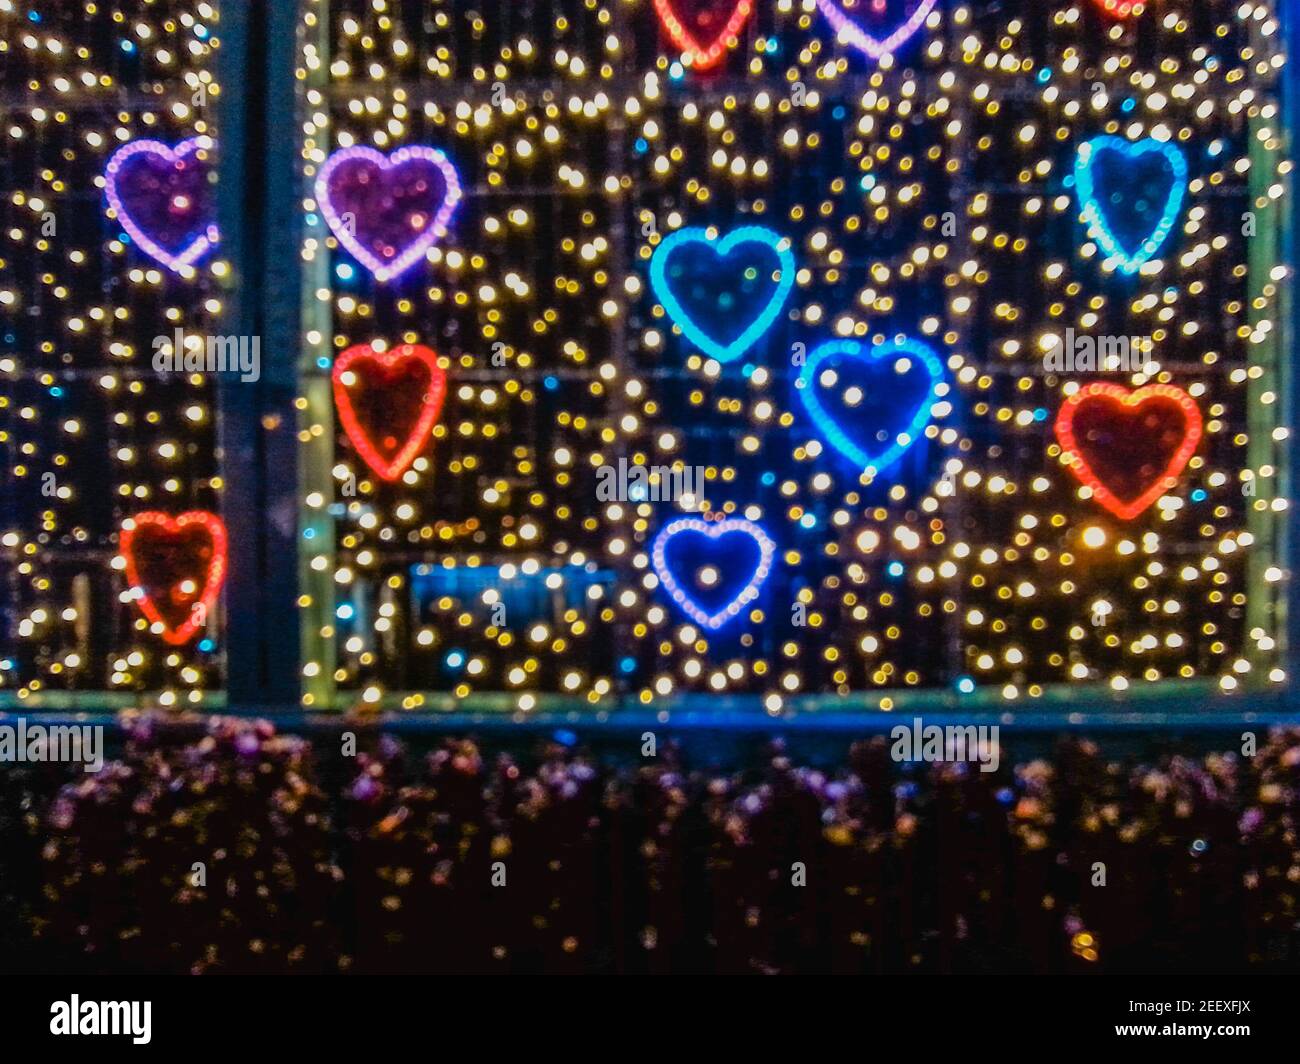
(1100, 228)
(892, 350)
(715, 531)
(661, 282)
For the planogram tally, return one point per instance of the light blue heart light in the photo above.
(831, 430)
(712, 530)
(1093, 213)
(748, 234)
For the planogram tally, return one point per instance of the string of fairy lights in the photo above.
(927, 215)
(91, 435)
(976, 565)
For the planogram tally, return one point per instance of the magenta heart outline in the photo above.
(437, 228)
(177, 262)
(848, 30)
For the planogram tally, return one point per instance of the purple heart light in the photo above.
(852, 32)
(388, 210)
(160, 194)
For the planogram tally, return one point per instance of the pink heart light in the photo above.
(388, 210)
(852, 33)
(160, 195)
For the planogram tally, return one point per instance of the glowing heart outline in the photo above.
(851, 33)
(1074, 460)
(830, 429)
(213, 580)
(1093, 213)
(436, 229)
(1121, 9)
(721, 246)
(700, 57)
(431, 409)
(712, 530)
(177, 262)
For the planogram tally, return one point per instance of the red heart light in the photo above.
(1122, 8)
(176, 566)
(389, 402)
(1128, 447)
(702, 56)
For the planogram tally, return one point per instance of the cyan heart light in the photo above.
(713, 530)
(721, 246)
(1094, 213)
(852, 33)
(833, 432)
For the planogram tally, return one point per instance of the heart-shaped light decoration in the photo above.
(175, 567)
(1128, 447)
(1122, 8)
(851, 32)
(388, 210)
(684, 290)
(700, 54)
(161, 195)
(893, 357)
(1129, 253)
(389, 402)
(715, 616)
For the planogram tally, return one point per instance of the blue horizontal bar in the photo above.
(714, 721)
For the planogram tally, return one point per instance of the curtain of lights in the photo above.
(808, 265)
(104, 438)
(939, 196)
